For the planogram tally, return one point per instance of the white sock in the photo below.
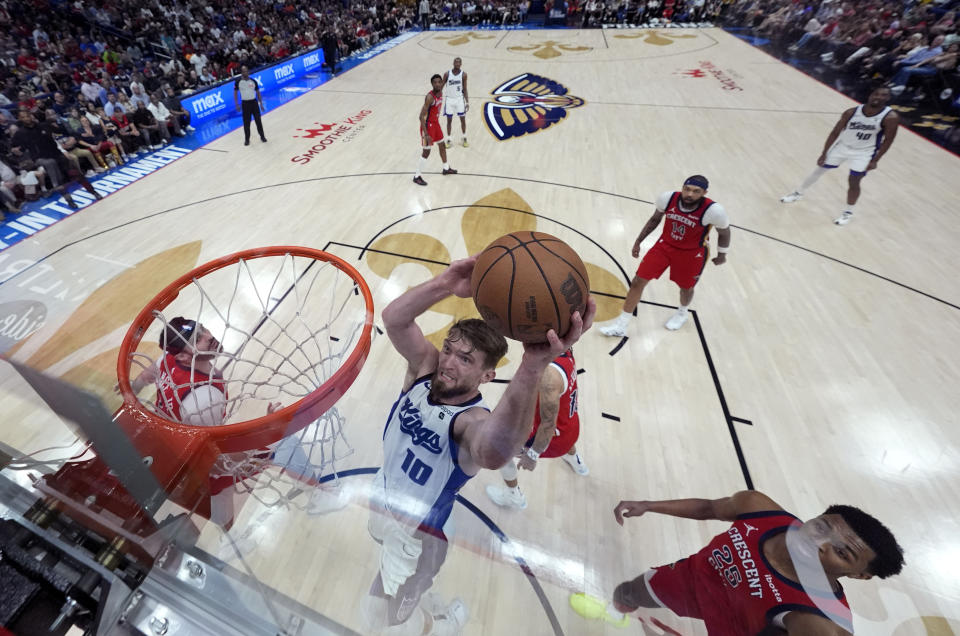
(624, 318)
(446, 166)
(850, 207)
(509, 471)
(812, 178)
(682, 309)
(421, 164)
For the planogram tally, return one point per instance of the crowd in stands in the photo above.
(912, 47)
(85, 86)
(573, 13)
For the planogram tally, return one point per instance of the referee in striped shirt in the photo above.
(250, 103)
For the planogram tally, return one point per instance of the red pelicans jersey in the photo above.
(434, 115)
(568, 421)
(736, 591)
(685, 230)
(175, 381)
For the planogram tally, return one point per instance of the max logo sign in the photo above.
(208, 102)
(19, 319)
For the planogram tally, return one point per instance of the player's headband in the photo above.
(698, 181)
(177, 334)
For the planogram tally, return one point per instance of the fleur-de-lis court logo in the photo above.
(527, 104)
(550, 49)
(463, 38)
(656, 38)
(483, 222)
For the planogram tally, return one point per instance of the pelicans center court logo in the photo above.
(527, 104)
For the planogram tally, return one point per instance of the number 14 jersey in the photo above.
(688, 229)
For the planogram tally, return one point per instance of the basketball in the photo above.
(526, 283)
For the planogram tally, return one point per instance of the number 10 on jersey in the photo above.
(415, 469)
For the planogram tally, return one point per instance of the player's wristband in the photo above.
(722, 250)
(532, 454)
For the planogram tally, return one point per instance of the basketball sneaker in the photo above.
(452, 620)
(419, 181)
(449, 171)
(507, 497)
(447, 143)
(576, 463)
(465, 144)
(614, 330)
(677, 320)
(790, 198)
(844, 218)
(595, 608)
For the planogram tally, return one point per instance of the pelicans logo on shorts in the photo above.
(526, 104)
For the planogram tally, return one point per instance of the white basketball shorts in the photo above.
(454, 106)
(840, 153)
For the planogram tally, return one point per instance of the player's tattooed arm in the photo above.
(652, 224)
(551, 388)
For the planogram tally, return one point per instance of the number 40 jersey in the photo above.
(421, 474)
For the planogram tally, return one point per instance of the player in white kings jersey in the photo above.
(861, 136)
(438, 435)
(455, 99)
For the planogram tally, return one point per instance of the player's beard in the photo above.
(690, 202)
(440, 389)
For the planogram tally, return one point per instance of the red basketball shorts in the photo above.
(673, 586)
(685, 265)
(435, 132)
(676, 588)
(560, 444)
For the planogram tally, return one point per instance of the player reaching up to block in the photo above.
(191, 390)
(556, 428)
(769, 573)
(438, 435)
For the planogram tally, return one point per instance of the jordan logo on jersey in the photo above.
(411, 423)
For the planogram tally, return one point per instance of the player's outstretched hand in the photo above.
(630, 509)
(273, 407)
(456, 277)
(555, 345)
(526, 463)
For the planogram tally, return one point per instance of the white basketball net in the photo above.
(285, 324)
